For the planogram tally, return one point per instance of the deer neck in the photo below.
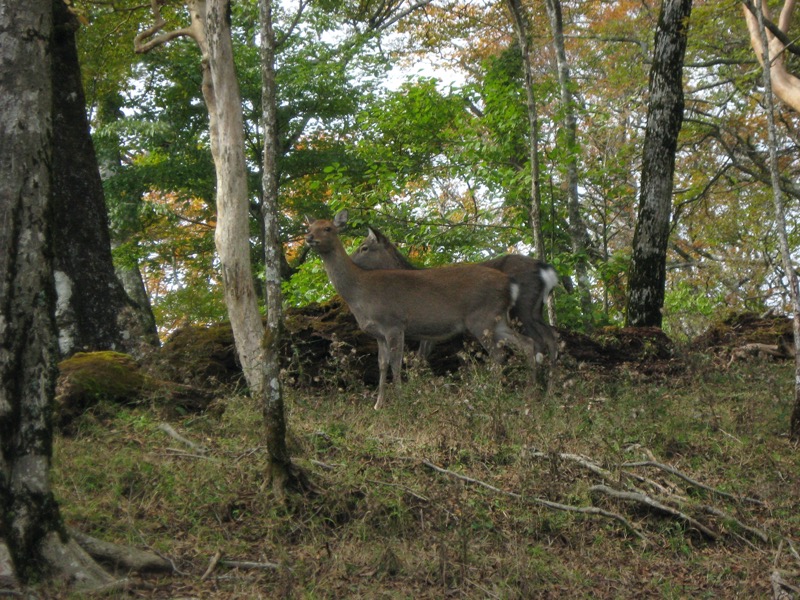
(345, 276)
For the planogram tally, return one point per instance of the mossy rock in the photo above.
(739, 329)
(88, 378)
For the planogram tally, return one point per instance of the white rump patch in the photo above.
(549, 278)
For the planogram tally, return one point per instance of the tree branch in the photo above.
(774, 29)
(590, 510)
(142, 47)
(655, 504)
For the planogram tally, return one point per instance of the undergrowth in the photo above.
(387, 524)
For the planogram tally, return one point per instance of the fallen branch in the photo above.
(246, 564)
(170, 431)
(757, 533)
(212, 564)
(655, 504)
(597, 469)
(782, 589)
(590, 510)
(673, 471)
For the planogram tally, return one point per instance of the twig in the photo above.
(212, 564)
(591, 510)
(598, 470)
(653, 503)
(694, 482)
(170, 431)
(246, 564)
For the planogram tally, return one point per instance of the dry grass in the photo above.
(387, 526)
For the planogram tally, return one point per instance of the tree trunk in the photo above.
(648, 270)
(780, 209)
(221, 92)
(93, 310)
(521, 27)
(257, 349)
(577, 227)
(282, 471)
(33, 544)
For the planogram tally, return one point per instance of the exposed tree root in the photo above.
(120, 557)
(75, 567)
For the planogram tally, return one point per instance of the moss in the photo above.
(105, 375)
(88, 378)
(197, 355)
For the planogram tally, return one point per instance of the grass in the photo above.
(387, 526)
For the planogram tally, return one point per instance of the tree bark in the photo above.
(282, 472)
(519, 20)
(647, 275)
(221, 92)
(33, 543)
(780, 209)
(93, 310)
(577, 227)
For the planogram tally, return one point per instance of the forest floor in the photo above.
(663, 473)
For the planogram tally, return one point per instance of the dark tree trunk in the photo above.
(93, 310)
(647, 276)
(33, 543)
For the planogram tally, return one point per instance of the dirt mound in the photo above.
(748, 330)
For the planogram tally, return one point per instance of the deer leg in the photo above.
(395, 341)
(383, 365)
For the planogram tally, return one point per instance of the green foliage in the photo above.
(443, 170)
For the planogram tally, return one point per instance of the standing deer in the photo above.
(430, 304)
(535, 278)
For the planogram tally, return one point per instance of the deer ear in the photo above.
(309, 220)
(340, 220)
(371, 235)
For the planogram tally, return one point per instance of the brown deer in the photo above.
(430, 304)
(535, 278)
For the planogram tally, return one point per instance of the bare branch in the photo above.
(589, 510)
(655, 504)
(686, 478)
(142, 47)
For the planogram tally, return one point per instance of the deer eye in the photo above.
(327, 229)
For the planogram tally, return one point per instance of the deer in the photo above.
(428, 304)
(536, 280)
